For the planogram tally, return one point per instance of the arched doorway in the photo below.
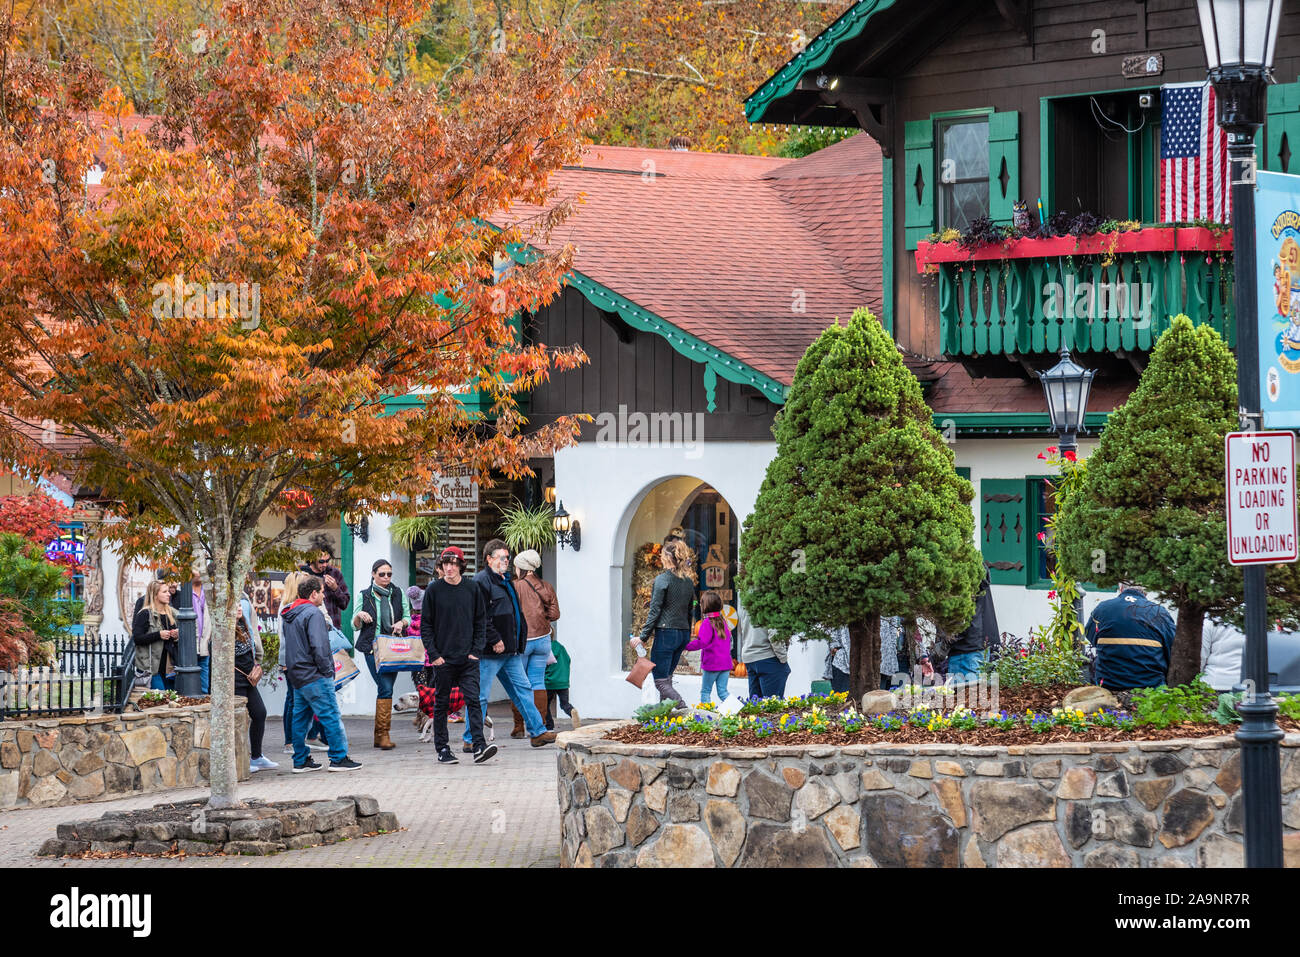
(708, 525)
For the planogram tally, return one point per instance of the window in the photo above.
(71, 543)
(1105, 154)
(963, 171)
(1043, 501)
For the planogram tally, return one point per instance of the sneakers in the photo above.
(317, 745)
(543, 739)
(262, 764)
(347, 764)
(446, 757)
(484, 753)
(288, 749)
(310, 765)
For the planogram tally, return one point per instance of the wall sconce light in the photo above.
(358, 525)
(828, 83)
(549, 492)
(567, 531)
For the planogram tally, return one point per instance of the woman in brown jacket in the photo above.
(540, 607)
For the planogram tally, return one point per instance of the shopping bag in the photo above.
(345, 669)
(642, 667)
(395, 653)
(649, 693)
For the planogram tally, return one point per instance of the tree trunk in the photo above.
(1185, 660)
(864, 658)
(227, 581)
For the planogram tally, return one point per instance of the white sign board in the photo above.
(456, 490)
(1261, 497)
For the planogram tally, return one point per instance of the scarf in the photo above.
(384, 608)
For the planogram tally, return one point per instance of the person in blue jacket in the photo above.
(1134, 638)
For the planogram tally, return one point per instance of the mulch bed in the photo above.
(1039, 699)
(182, 702)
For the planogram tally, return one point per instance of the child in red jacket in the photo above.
(714, 638)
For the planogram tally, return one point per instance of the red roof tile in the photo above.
(753, 255)
(955, 390)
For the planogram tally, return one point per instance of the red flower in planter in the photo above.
(1070, 456)
(1052, 449)
(1042, 537)
(1041, 455)
(1051, 595)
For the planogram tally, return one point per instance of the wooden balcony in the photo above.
(1108, 292)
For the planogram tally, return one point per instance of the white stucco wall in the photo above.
(602, 486)
(1018, 608)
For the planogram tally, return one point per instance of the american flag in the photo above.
(1194, 175)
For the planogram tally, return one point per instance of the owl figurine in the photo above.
(1020, 215)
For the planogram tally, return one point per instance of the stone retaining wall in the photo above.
(1141, 804)
(55, 761)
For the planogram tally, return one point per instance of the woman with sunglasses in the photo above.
(383, 610)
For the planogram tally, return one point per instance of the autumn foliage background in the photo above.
(293, 155)
(676, 67)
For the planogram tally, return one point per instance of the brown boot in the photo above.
(542, 706)
(543, 739)
(518, 731)
(383, 722)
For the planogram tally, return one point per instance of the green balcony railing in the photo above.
(1099, 293)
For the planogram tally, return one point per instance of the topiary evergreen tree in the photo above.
(1151, 507)
(861, 513)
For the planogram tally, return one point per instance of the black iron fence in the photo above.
(91, 676)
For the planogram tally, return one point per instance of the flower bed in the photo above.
(1148, 239)
(1029, 715)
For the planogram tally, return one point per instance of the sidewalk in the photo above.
(503, 813)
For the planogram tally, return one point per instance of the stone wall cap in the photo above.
(1061, 748)
(47, 723)
(747, 754)
(612, 747)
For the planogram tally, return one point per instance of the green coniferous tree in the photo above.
(861, 513)
(1151, 508)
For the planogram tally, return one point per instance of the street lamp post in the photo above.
(188, 682)
(1239, 38)
(1066, 386)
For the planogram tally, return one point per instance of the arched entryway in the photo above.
(708, 524)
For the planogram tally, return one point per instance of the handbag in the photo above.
(642, 667)
(339, 641)
(395, 653)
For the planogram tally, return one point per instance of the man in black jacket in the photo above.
(968, 652)
(310, 670)
(506, 637)
(337, 596)
(452, 627)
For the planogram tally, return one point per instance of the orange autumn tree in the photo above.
(295, 237)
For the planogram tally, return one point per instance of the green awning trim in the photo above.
(1009, 424)
(850, 24)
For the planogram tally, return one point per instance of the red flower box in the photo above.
(1152, 239)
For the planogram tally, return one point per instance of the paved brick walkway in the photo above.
(500, 814)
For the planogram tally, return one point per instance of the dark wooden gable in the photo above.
(635, 369)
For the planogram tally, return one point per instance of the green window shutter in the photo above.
(1283, 129)
(1004, 532)
(964, 472)
(918, 180)
(1004, 165)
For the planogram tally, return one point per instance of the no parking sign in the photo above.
(1261, 497)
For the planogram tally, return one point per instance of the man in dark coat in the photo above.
(969, 650)
(506, 637)
(453, 620)
(337, 595)
(1134, 638)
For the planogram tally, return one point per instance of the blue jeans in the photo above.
(767, 677)
(317, 697)
(159, 683)
(535, 654)
(316, 730)
(384, 682)
(666, 651)
(966, 667)
(205, 674)
(708, 680)
(509, 671)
